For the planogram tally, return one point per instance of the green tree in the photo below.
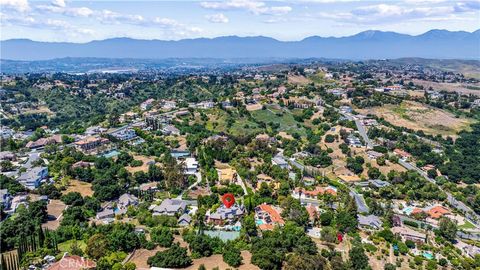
(232, 255)
(162, 236)
(174, 257)
(447, 228)
(358, 258)
(97, 246)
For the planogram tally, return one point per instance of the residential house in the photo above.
(280, 161)
(147, 104)
(105, 214)
(91, 143)
(32, 178)
(402, 154)
(225, 215)
(373, 154)
(184, 220)
(369, 222)
(312, 212)
(191, 165)
(170, 130)
(42, 142)
(82, 164)
(267, 217)
(170, 207)
(126, 200)
(437, 212)
(313, 194)
(8, 155)
(5, 198)
(125, 134)
(407, 233)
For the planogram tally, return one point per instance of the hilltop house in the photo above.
(191, 165)
(369, 222)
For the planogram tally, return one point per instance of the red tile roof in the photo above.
(73, 262)
(276, 218)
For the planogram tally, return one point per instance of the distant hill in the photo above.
(436, 44)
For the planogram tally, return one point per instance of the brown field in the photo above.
(254, 107)
(217, 261)
(143, 168)
(54, 209)
(41, 109)
(84, 188)
(450, 87)
(140, 257)
(417, 116)
(298, 79)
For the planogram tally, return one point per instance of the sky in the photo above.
(288, 20)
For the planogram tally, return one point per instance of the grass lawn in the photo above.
(467, 225)
(285, 119)
(66, 246)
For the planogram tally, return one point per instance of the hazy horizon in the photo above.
(286, 20)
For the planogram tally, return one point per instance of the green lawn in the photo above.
(285, 119)
(66, 246)
(467, 225)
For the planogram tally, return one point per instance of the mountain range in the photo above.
(436, 44)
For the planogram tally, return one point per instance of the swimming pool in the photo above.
(428, 255)
(408, 210)
(259, 222)
(111, 154)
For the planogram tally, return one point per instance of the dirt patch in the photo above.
(84, 188)
(473, 89)
(254, 107)
(217, 261)
(298, 79)
(143, 168)
(417, 116)
(54, 209)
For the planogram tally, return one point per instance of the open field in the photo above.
(54, 210)
(144, 167)
(278, 116)
(417, 116)
(473, 89)
(298, 79)
(84, 188)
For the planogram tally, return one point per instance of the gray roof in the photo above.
(185, 217)
(280, 161)
(228, 213)
(127, 199)
(170, 206)
(4, 194)
(31, 175)
(106, 213)
(371, 220)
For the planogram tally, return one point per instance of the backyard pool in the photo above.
(111, 154)
(408, 210)
(259, 221)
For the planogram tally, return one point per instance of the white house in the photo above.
(191, 165)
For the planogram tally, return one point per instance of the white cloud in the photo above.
(217, 18)
(255, 7)
(51, 24)
(388, 13)
(59, 3)
(17, 5)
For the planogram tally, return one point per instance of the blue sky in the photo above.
(83, 21)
